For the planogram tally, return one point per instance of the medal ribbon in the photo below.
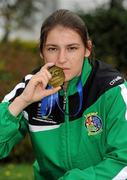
(49, 102)
(80, 92)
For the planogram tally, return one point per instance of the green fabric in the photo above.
(98, 156)
(86, 69)
(72, 88)
(10, 133)
(72, 151)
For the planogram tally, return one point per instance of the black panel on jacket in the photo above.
(101, 78)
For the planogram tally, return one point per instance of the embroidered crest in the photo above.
(93, 124)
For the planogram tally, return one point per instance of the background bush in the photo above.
(17, 59)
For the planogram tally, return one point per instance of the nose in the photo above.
(62, 57)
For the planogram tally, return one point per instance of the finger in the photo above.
(47, 66)
(46, 73)
(38, 80)
(43, 81)
(44, 76)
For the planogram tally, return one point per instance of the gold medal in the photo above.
(58, 76)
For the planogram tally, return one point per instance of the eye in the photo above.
(72, 48)
(52, 49)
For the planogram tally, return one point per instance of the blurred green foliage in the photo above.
(13, 171)
(17, 59)
(18, 14)
(108, 31)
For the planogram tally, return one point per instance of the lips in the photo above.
(65, 68)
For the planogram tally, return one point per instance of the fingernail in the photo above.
(50, 64)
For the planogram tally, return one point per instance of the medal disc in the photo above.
(58, 76)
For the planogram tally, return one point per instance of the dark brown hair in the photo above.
(67, 19)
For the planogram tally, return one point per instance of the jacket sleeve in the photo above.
(114, 163)
(12, 130)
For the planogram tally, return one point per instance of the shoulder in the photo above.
(105, 76)
(18, 89)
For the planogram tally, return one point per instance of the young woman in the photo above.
(74, 110)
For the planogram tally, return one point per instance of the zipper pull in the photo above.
(64, 100)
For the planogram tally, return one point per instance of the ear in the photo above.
(41, 55)
(88, 49)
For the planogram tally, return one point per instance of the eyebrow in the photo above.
(72, 44)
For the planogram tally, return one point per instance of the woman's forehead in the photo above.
(64, 34)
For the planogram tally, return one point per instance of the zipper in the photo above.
(65, 109)
(64, 101)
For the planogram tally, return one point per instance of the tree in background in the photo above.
(108, 30)
(21, 14)
(117, 4)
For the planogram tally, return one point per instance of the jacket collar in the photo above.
(72, 85)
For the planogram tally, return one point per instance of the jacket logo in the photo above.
(115, 80)
(93, 124)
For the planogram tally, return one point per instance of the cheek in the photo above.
(48, 60)
(78, 67)
(77, 63)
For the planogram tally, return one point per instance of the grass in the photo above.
(16, 172)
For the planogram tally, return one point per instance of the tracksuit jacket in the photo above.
(91, 145)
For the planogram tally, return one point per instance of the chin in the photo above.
(68, 79)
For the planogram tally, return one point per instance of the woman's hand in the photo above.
(34, 91)
(36, 88)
